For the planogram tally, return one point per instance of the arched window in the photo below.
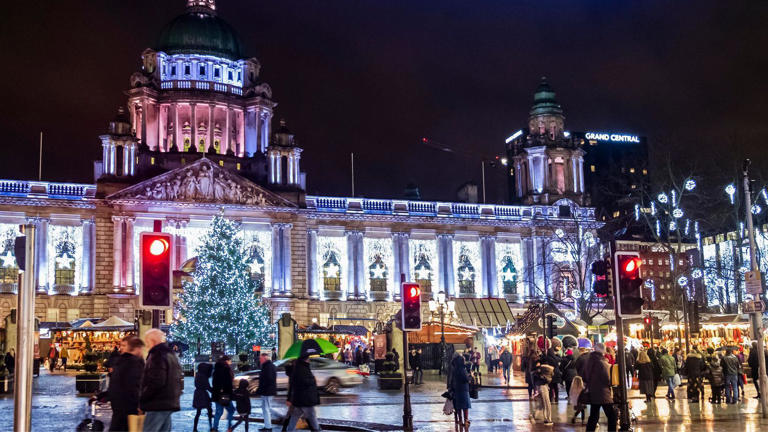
(331, 272)
(466, 275)
(187, 144)
(217, 145)
(9, 269)
(508, 276)
(378, 274)
(64, 264)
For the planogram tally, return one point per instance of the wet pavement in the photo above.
(57, 407)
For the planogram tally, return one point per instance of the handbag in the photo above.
(448, 407)
(136, 422)
(676, 380)
(744, 379)
(225, 399)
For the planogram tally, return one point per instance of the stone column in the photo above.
(312, 283)
(394, 276)
(177, 128)
(488, 265)
(355, 278)
(250, 120)
(105, 157)
(529, 266)
(87, 269)
(117, 275)
(211, 118)
(144, 123)
(41, 252)
(225, 133)
(286, 254)
(277, 261)
(445, 263)
(128, 255)
(193, 124)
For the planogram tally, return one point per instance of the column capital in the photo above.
(312, 230)
(401, 234)
(88, 220)
(445, 236)
(118, 218)
(282, 225)
(353, 233)
(129, 219)
(177, 222)
(491, 237)
(37, 219)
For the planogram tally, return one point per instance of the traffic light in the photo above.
(550, 326)
(693, 316)
(156, 274)
(629, 283)
(410, 298)
(648, 323)
(601, 286)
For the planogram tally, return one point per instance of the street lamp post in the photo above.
(440, 307)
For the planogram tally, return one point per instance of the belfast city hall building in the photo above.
(199, 136)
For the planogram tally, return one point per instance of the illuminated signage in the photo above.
(515, 135)
(612, 137)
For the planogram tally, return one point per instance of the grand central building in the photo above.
(198, 137)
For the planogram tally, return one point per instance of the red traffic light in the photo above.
(632, 265)
(414, 291)
(647, 320)
(411, 306)
(158, 246)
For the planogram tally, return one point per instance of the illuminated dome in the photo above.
(200, 31)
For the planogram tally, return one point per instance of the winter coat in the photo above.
(646, 378)
(506, 359)
(694, 366)
(202, 398)
(553, 360)
(416, 361)
(731, 365)
(668, 366)
(222, 381)
(597, 379)
(754, 363)
(543, 374)
(125, 383)
(302, 386)
(715, 376)
(10, 362)
(242, 400)
(161, 386)
(568, 368)
(581, 362)
(267, 380)
(114, 357)
(459, 381)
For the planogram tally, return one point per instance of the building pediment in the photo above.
(201, 182)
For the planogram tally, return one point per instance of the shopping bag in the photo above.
(614, 375)
(448, 407)
(677, 381)
(636, 385)
(744, 379)
(136, 422)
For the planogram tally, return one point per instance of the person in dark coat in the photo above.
(506, 361)
(53, 357)
(366, 356)
(716, 379)
(629, 364)
(551, 358)
(222, 391)
(656, 367)
(645, 376)
(458, 386)
(597, 380)
(695, 368)
(242, 398)
(415, 364)
(114, 356)
(358, 357)
(10, 361)
(302, 394)
(125, 383)
(754, 366)
(202, 398)
(267, 388)
(568, 370)
(161, 386)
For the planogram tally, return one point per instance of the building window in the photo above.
(187, 143)
(173, 70)
(645, 172)
(201, 71)
(65, 255)
(379, 260)
(592, 168)
(331, 253)
(258, 246)
(238, 165)
(217, 145)
(229, 76)
(216, 72)
(73, 314)
(256, 267)
(9, 268)
(187, 70)
(331, 273)
(52, 314)
(424, 259)
(508, 276)
(466, 261)
(221, 163)
(152, 160)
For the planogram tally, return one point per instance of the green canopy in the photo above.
(307, 347)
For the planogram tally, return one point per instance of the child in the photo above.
(201, 400)
(242, 399)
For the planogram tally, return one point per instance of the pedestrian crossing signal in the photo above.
(411, 306)
(156, 273)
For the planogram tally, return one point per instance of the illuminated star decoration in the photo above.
(256, 267)
(508, 275)
(332, 271)
(730, 190)
(64, 261)
(422, 273)
(466, 274)
(690, 184)
(663, 198)
(378, 272)
(8, 259)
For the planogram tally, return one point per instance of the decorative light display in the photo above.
(678, 213)
(576, 294)
(64, 261)
(220, 303)
(765, 196)
(8, 259)
(663, 198)
(674, 197)
(690, 184)
(377, 272)
(682, 281)
(332, 271)
(672, 225)
(756, 209)
(649, 283)
(697, 273)
(570, 315)
(731, 191)
(687, 226)
(653, 208)
(508, 275)
(658, 228)
(637, 212)
(559, 232)
(422, 273)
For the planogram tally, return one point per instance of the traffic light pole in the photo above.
(407, 415)
(625, 424)
(25, 337)
(756, 317)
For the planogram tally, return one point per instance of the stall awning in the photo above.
(484, 312)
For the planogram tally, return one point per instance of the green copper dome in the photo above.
(544, 101)
(200, 32)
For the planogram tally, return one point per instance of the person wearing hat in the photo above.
(302, 393)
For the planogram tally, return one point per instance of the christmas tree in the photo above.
(220, 303)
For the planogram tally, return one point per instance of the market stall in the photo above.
(102, 337)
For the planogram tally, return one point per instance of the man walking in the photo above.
(418, 373)
(161, 386)
(302, 394)
(754, 366)
(267, 389)
(597, 381)
(506, 362)
(125, 382)
(732, 372)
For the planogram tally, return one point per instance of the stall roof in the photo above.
(484, 312)
(724, 319)
(56, 325)
(113, 323)
(529, 322)
(337, 329)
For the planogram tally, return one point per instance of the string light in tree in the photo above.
(756, 209)
(731, 191)
(690, 184)
(672, 225)
(658, 228)
(663, 198)
(687, 226)
(637, 212)
(682, 281)
(765, 196)
(678, 213)
(674, 197)
(697, 273)
(653, 208)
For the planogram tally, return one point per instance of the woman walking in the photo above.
(668, 370)
(201, 399)
(645, 376)
(222, 391)
(458, 386)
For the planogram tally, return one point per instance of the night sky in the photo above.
(374, 77)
